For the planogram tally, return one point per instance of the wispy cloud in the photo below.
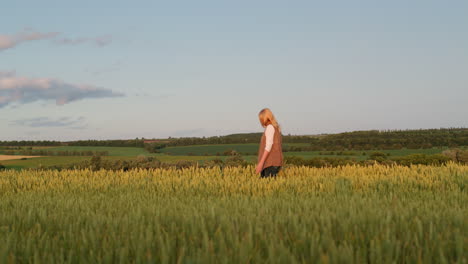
(10, 41)
(69, 122)
(100, 41)
(23, 90)
(28, 34)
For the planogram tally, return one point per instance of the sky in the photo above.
(112, 69)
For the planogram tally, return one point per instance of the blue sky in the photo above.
(127, 69)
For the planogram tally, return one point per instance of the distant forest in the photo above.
(398, 139)
(94, 143)
(358, 140)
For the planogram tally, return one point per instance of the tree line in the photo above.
(43, 152)
(397, 139)
(30, 143)
(357, 140)
(137, 143)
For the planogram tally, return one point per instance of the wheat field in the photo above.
(350, 214)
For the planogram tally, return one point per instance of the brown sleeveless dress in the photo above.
(275, 158)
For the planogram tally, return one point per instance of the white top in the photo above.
(269, 134)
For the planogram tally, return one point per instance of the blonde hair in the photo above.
(266, 118)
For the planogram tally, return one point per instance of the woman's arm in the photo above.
(269, 134)
(262, 161)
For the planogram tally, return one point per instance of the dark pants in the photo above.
(270, 171)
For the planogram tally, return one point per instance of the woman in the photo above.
(270, 154)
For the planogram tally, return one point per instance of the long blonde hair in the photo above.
(266, 118)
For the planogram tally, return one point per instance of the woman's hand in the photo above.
(260, 164)
(259, 168)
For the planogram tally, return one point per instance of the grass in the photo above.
(364, 154)
(113, 151)
(212, 150)
(47, 161)
(44, 161)
(61, 160)
(199, 151)
(371, 214)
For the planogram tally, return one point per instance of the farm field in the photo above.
(113, 151)
(197, 153)
(364, 154)
(201, 150)
(14, 157)
(375, 214)
(43, 161)
(66, 160)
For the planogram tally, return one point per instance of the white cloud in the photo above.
(23, 90)
(28, 34)
(98, 41)
(10, 41)
(70, 122)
